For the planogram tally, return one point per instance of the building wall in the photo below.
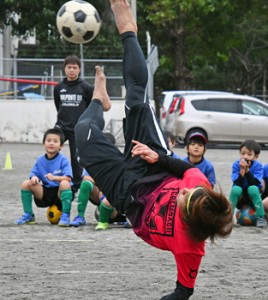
(26, 121)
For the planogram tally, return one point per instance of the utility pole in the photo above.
(134, 9)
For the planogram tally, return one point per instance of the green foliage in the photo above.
(204, 44)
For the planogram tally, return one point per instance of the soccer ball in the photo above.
(246, 216)
(78, 21)
(53, 214)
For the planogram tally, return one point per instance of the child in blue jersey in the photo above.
(265, 189)
(247, 175)
(50, 181)
(265, 182)
(107, 214)
(196, 148)
(171, 143)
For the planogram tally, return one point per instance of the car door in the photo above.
(222, 119)
(254, 121)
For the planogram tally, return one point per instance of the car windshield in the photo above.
(254, 108)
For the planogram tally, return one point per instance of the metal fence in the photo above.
(23, 78)
(28, 78)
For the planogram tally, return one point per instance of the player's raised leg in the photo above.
(94, 112)
(135, 71)
(100, 91)
(123, 16)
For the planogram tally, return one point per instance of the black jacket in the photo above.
(71, 99)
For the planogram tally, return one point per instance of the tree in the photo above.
(203, 44)
(199, 41)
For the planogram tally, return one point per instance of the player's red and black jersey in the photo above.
(160, 225)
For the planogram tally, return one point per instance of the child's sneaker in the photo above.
(77, 221)
(64, 220)
(127, 224)
(102, 226)
(27, 218)
(261, 222)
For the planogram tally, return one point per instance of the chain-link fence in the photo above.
(22, 78)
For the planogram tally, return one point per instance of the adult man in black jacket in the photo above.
(71, 97)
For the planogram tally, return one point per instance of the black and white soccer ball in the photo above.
(78, 21)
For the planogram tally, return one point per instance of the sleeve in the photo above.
(66, 168)
(210, 173)
(173, 165)
(35, 171)
(235, 171)
(255, 176)
(56, 97)
(187, 268)
(88, 90)
(265, 171)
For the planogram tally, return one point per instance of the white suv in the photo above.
(168, 103)
(221, 117)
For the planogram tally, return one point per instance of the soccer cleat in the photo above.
(261, 222)
(102, 226)
(64, 220)
(27, 218)
(77, 221)
(127, 224)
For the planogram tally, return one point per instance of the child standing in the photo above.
(196, 148)
(247, 174)
(50, 181)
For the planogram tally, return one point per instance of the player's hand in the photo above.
(34, 180)
(49, 176)
(245, 165)
(144, 152)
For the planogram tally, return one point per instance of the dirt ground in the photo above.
(47, 262)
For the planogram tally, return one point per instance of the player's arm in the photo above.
(185, 283)
(88, 91)
(56, 98)
(52, 177)
(167, 163)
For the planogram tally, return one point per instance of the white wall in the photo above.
(25, 121)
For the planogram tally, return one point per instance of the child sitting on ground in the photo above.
(50, 181)
(247, 174)
(265, 189)
(171, 143)
(107, 214)
(196, 148)
(87, 192)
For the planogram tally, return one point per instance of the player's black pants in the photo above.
(113, 171)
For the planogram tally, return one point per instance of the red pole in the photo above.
(28, 81)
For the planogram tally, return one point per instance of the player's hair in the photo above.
(251, 145)
(56, 131)
(208, 215)
(72, 59)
